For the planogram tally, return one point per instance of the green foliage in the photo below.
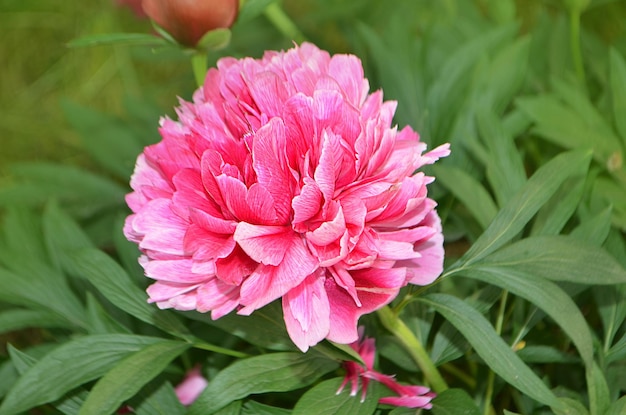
(529, 315)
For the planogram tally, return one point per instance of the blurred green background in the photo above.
(38, 72)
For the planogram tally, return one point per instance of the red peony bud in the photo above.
(135, 5)
(188, 20)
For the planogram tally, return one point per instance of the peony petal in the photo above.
(307, 312)
(267, 282)
(265, 244)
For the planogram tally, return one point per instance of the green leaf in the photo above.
(80, 192)
(547, 296)
(559, 258)
(233, 408)
(611, 302)
(68, 366)
(62, 234)
(324, 400)
(505, 169)
(18, 319)
(617, 78)
(545, 354)
(454, 402)
(553, 216)
(618, 407)
(251, 9)
(599, 400)
(129, 375)
(21, 361)
(275, 372)
(264, 328)
(571, 407)
(113, 282)
(214, 40)
(469, 191)
(41, 288)
(162, 401)
(256, 408)
(618, 351)
(99, 321)
(596, 229)
(491, 348)
(117, 39)
(106, 139)
(526, 202)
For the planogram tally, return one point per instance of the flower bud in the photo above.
(188, 20)
(135, 5)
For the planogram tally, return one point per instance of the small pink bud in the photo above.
(188, 20)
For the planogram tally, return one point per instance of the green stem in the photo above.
(199, 65)
(283, 23)
(491, 376)
(574, 22)
(217, 349)
(392, 322)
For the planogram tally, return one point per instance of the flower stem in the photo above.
(395, 325)
(283, 23)
(574, 29)
(199, 66)
(491, 376)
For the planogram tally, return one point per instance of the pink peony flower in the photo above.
(285, 179)
(410, 396)
(191, 387)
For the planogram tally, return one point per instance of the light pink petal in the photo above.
(162, 229)
(235, 267)
(268, 282)
(265, 244)
(177, 271)
(307, 313)
(308, 203)
(408, 401)
(217, 297)
(191, 387)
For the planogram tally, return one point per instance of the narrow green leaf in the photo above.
(80, 192)
(21, 361)
(233, 408)
(454, 402)
(129, 375)
(547, 296)
(323, 399)
(99, 321)
(545, 354)
(559, 258)
(469, 191)
(8, 376)
(162, 401)
(526, 202)
(62, 234)
(571, 407)
(553, 216)
(18, 319)
(618, 351)
(112, 144)
(596, 229)
(611, 302)
(68, 366)
(618, 407)
(505, 169)
(113, 282)
(252, 9)
(215, 39)
(599, 399)
(116, 39)
(264, 327)
(491, 348)
(275, 372)
(256, 408)
(617, 74)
